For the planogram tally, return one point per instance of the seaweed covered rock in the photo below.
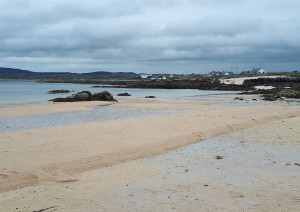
(82, 96)
(275, 94)
(103, 96)
(86, 96)
(124, 94)
(289, 93)
(58, 91)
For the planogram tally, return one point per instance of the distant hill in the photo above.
(11, 73)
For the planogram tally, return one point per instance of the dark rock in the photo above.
(288, 93)
(269, 97)
(82, 96)
(103, 86)
(86, 96)
(124, 94)
(150, 97)
(58, 91)
(276, 93)
(218, 157)
(103, 96)
(276, 82)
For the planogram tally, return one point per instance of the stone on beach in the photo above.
(86, 96)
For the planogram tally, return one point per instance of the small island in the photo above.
(59, 91)
(124, 94)
(86, 96)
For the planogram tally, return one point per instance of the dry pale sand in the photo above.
(85, 167)
(240, 80)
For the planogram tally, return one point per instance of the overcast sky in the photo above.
(166, 36)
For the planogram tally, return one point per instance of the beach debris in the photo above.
(86, 96)
(205, 185)
(58, 91)
(124, 94)
(297, 164)
(238, 98)
(219, 157)
(150, 97)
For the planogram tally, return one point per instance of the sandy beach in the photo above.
(160, 162)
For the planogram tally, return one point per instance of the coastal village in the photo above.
(254, 71)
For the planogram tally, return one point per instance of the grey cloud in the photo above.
(135, 35)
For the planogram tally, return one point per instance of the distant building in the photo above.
(220, 73)
(145, 76)
(254, 71)
(259, 71)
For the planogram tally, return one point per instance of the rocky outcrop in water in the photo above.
(204, 84)
(124, 94)
(58, 91)
(86, 96)
(279, 82)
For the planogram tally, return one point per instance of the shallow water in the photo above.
(20, 92)
(96, 114)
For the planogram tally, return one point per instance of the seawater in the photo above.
(96, 114)
(20, 92)
(25, 92)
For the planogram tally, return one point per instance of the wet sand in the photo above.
(94, 166)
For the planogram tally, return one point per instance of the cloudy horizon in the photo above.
(158, 36)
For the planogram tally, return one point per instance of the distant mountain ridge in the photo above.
(12, 73)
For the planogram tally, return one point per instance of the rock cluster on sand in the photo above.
(281, 93)
(276, 93)
(124, 94)
(58, 91)
(86, 96)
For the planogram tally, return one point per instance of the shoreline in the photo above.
(62, 155)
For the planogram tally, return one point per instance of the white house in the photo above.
(258, 71)
(145, 76)
(261, 71)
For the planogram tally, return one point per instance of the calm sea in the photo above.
(20, 92)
